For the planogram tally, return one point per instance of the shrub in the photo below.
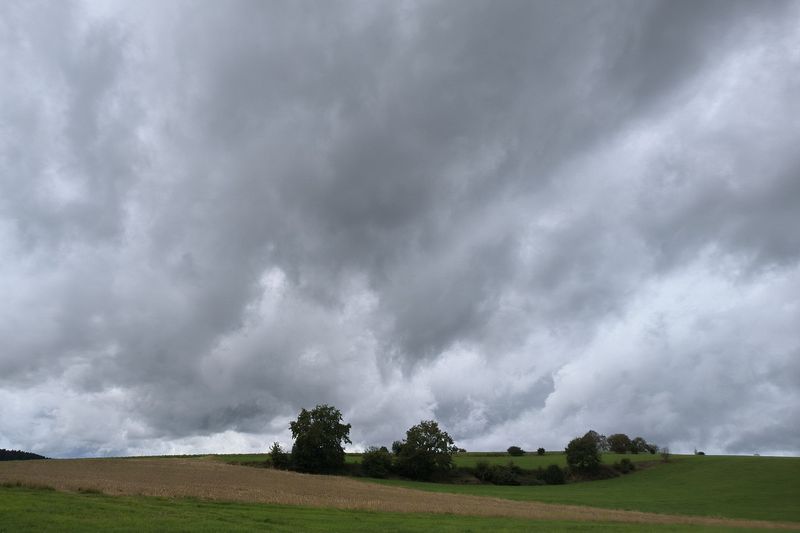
(665, 454)
(701, 453)
(554, 475)
(376, 462)
(481, 471)
(497, 474)
(624, 466)
(540, 451)
(279, 458)
(516, 451)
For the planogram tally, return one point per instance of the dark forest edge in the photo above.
(18, 455)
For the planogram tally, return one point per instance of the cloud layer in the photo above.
(523, 219)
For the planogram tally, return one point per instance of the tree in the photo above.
(639, 445)
(619, 443)
(396, 447)
(600, 440)
(515, 451)
(540, 451)
(583, 455)
(427, 450)
(279, 458)
(665, 454)
(319, 435)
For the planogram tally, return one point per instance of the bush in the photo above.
(582, 455)
(278, 457)
(376, 462)
(624, 466)
(540, 451)
(554, 475)
(497, 474)
(516, 451)
(665, 454)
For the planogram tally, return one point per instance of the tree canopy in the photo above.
(319, 436)
(583, 456)
(427, 450)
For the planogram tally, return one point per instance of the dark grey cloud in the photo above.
(525, 219)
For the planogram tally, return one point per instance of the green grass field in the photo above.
(23, 509)
(761, 488)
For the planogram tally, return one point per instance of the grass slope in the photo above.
(761, 488)
(24, 509)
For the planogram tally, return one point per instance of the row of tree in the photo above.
(621, 443)
(583, 453)
(320, 434)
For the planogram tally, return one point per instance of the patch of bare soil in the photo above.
(198, 478)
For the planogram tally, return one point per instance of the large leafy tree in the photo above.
(619, 443)
(583, 456)
(426, 451)
(319, 436)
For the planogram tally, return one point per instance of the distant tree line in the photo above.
(18, 455)
(427, 451)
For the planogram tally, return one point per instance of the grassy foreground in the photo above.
(25, 509)
(759, 488)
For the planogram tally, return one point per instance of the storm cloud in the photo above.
(523, 219)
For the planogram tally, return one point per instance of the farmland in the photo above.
(203, 493)
(766, 488)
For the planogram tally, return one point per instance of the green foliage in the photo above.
(600, 440)
(278, 457)
(619, 443)
(376, 462)
(319, 435)
(427, 450)
(497, 474)
(540, 451)
(639, 445)
(624, 466)
(554, 475)
(583, 457)
(516, 451)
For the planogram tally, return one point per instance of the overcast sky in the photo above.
(522, 219)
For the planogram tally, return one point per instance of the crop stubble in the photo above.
(198, 478)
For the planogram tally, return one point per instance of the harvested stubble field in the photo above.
(212, 480)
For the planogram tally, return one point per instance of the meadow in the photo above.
(698, 493)
(40, 510)
(761, 488)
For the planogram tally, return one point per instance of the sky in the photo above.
(523, 219)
